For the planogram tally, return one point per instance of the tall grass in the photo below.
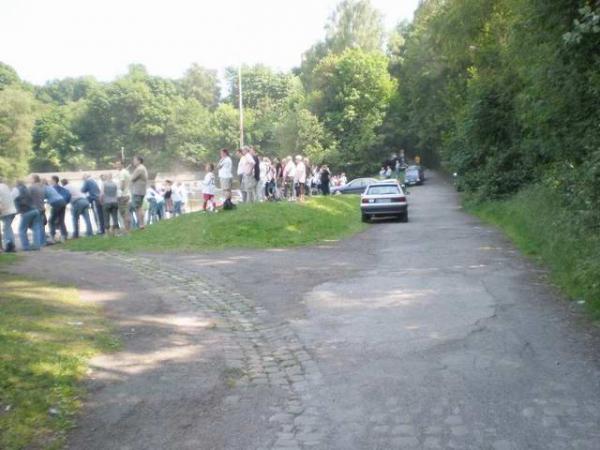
(535, 220)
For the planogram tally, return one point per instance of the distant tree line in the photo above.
(503, 92)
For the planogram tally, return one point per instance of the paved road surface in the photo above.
(431, 334)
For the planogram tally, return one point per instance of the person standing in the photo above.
(325, 180)
(300, 177)
(30, 217)
(123, 177)
(139, 182)
(37, 193)
(225, 176)
(110, 205)
(57, 211)
(80, 207)
(92, 189)
(60, 213)
(240, 169)
(248, 179)
(289, 175)
(177, 200)
(7, 215)
(208, 188)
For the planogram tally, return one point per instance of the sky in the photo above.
(49, 39)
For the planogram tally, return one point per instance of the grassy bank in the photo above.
(46, 336)
(541, 228)
(263, 225)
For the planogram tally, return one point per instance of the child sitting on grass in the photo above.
(208, 188)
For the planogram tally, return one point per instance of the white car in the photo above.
(384, 199)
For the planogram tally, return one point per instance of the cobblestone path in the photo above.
(257, 352)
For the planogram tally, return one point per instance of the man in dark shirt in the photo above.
(57, 217)
(91, 188)
(36, 191)
(30, 217)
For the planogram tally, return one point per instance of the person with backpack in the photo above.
(30, 217)
(37, 192)
(57, 216)
(7, 215)
(92, 189)
(110, 205)
(57, 210)
(80, 207)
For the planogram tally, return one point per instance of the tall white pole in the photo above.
(241, 106)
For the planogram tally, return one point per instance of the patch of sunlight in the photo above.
(292, 228)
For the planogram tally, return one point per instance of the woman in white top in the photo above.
(300, 176)
(208, 188)
(225, 175)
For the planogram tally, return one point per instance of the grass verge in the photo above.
(261, 225)
(540, 227)
(47, 335)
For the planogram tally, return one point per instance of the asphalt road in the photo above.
(430, 334)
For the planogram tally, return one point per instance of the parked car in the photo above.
(414, 175)
(384, 199)
(356, 186)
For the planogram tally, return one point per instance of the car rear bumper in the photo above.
(384, 208)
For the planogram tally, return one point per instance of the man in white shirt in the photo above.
(248, 180)
(289, 176)
(7, 215)
(300, 177)
(225, 175)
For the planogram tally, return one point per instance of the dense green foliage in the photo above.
(504, 92)
(261, 225)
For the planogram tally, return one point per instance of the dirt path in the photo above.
(431, 334)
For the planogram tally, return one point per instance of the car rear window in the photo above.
(383, 190)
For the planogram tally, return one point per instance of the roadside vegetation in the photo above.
(544, 229)
(47, 334)
(259, 225)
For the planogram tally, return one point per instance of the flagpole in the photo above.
(241, 106)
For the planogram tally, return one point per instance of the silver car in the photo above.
(384, 199)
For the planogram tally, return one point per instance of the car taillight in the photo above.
(365, 200)
(399, 199)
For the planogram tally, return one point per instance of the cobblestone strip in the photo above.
(263, 354)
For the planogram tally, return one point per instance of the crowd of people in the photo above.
(266, 179)
(126, 199)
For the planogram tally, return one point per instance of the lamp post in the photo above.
(241, 106)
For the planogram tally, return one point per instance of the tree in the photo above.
(300, 132)
(8, 76)
(55, 145)
(203, 85)
(355, 24)
(66, 90)
(352, 96)
(189, 133)
(17, 113)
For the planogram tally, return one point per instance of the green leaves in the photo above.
(353, 91)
